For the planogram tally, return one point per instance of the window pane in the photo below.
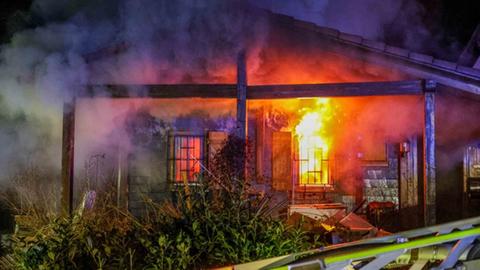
(196, 153)
(183, 154)
(177, 147)
(188, 154)
(312, 167)
(184, 142)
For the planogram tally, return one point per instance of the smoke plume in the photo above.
(77, 43)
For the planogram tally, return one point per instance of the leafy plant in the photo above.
(222, 220)
(217, 221)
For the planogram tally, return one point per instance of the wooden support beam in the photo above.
(68, 143)
(335, 90)
(161, 91)
(414, 87)
(429, 154)
(241, 96)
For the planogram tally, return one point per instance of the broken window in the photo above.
(186, 157)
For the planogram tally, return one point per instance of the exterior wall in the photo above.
(148, 151)
(457, 127)
(375, 175)
(381, 183)
(140, 127)
(148, 174)
(397, 182)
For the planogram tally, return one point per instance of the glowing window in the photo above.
(186, 158)
(313, 143)
(312, 162)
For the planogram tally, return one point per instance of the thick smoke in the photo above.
(36, 68)
(162, 41)
(406, 23)
(149, 41)
(366, 18)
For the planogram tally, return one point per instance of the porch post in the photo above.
(429, 154)
(241, 96)
(68, 142)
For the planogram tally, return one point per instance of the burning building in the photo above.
(330, 118)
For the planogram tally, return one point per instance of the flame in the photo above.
(314, 143)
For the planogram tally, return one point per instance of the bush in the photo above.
(200, 230)
(216, 222)
(101, 240)
(190, 232)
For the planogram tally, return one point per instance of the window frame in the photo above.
(172, 159)
(325, 167)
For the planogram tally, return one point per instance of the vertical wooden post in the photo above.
(260, 143)
(119, 175)
(68, 143)
(241, 96)
(429, 154)
(241, 131)
(421, 179)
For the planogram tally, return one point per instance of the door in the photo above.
(281, 160)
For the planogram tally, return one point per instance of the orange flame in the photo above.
(314, 143)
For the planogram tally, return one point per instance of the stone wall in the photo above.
(381, 182)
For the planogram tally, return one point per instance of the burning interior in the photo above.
(328, 149)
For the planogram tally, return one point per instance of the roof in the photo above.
(420, 65)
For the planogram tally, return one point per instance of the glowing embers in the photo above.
(313, 144)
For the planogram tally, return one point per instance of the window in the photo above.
(312, 163)
(313, 169)
(472, 161)
(186, 157)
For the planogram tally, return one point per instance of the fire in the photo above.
(314, 143)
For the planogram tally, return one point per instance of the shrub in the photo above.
(30, 192)
(191, 232)
(101, 240)
(221, 220)
(216, 222)
(216, 234)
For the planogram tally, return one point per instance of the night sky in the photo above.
(10, 12)
(454, 21)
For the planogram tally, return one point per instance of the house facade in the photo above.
(352, 121)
